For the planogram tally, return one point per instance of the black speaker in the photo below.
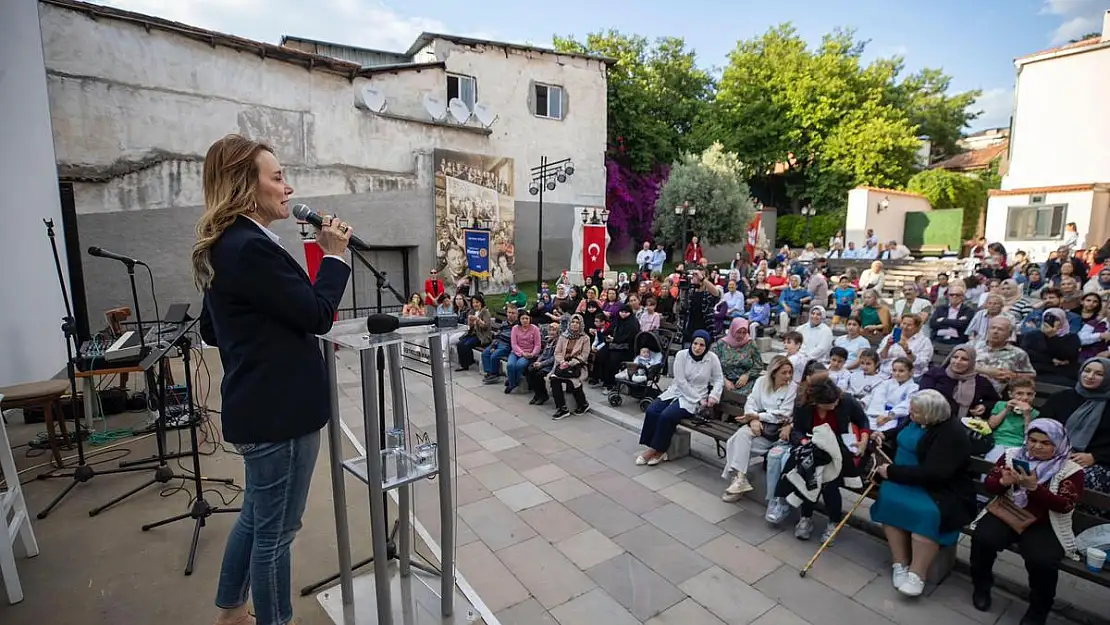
(73, 261)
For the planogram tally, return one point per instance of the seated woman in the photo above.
(537, 372)
(415, 307)
(1040, 478)
(569, 371)
(740, 359)
(1054, 351)
(766, 411)
(1094, 327)
(697, 384)
(927, 495)
(792, 302)
(969, 394)
(1082, 410)
(889, 404)
(874, 315)
(844, 416)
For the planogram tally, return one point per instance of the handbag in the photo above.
(1009, 513)
(570, 372)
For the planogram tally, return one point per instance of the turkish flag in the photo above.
(593, 249)
(753, 235)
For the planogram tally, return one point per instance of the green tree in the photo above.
(820, 112)
(713, 182)
(949, 189)
(656, 94)
(924, 97)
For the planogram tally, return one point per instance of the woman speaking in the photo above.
(263, 312)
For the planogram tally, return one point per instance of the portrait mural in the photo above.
(475, 219)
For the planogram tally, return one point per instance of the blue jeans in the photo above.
(492, 357)
(256, 558)
(515, 369)
(660, 422)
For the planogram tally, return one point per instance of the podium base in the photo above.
(415, 601)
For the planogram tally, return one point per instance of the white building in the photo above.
(1059, 170)
(136, 101)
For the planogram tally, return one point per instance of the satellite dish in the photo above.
(374, 99)
(435, 106)
(485, 114)
(459, 110)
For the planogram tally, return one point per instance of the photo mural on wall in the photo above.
(475, 219)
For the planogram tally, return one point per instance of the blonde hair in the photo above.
(230, 187)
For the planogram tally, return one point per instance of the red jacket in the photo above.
(694, 253)
(432, 290)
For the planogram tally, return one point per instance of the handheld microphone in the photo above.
(304, 213)
(102, 253)
(384, 324)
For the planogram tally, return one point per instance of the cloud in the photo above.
(1080, 17)
(997, 106)
(361, 23)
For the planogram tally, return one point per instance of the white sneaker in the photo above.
(737, 488)
(828, 533)
(899, 576)
(804, 529)
(913, 586)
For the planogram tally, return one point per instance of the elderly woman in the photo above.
(569, 370)
(740, 359)
(697, 384)
(1082, 410)
(1054, 351)
(873, 314)
(767, 410)
(1041, 479)
(873, 278)
(968, 393)
(927, 495)
(792, 302)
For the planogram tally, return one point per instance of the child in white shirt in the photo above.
(890, 401)
(837, 373)
(865, 378)
(793, 341)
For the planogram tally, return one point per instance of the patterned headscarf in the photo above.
(733, 337)
(1045, 470)
(570, 332)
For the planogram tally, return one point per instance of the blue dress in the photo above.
(910, 507)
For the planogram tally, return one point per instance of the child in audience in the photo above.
(759, 314)
(837, 373)
(853, 342)
(866, 377)
(637, 370)
(889, 402)
(844, 296)
(1009, 418)
(793, 341)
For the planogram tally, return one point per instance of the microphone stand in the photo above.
(82, 472)
(382, 283)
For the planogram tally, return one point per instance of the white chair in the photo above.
(15, 523)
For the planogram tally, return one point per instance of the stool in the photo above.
(18, 529)
(47, 396)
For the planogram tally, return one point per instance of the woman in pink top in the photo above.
(526, 344)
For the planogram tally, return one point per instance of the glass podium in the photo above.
(397, 458)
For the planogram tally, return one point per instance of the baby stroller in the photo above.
(644, 386)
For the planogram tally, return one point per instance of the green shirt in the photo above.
(520, 299)
(1011, 432)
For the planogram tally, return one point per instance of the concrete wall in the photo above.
(1086, 208)
(134, 112)
(32, 309)
(1061, 131)
(890, 224)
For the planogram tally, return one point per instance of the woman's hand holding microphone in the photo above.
(334, 237)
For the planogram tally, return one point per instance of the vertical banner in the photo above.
(753, 235)
(477, 253)
(593, 249)
(313, 256)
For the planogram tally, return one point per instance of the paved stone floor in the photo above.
(558, 525)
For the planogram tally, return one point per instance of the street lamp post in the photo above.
(546, 175)
(684, 210)
(808, 212)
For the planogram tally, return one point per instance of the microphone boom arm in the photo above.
(382, 281)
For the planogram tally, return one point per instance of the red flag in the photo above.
(753, 235)
(593, 249)
(313, 256)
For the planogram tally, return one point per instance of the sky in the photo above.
(973, 41)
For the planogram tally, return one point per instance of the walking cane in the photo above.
(871, 484)
(836, 530)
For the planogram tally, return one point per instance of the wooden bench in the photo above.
(723, 424)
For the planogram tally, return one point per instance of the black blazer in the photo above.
(940, 320)
(943, 456)
(263, 313)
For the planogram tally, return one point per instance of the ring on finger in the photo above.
(343, 228)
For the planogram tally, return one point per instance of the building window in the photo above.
(1036, 223)
(1037, 199)
(549, 101)
(464, 88)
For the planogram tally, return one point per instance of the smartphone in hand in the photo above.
(897, 336)
(1023, 465)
